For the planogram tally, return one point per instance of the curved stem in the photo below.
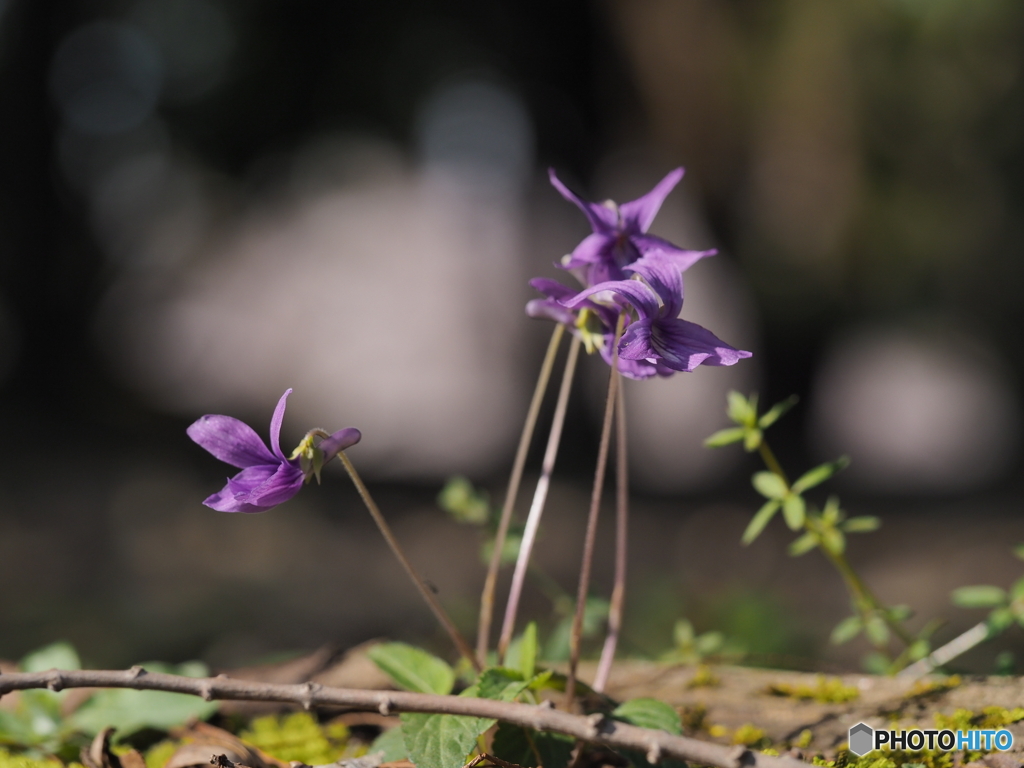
(491, 582)
(591, 534)
(396, 549)
(540, 496)
(618, 600)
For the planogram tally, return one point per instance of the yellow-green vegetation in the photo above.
(749, 735)
(803, 741)
(297, 737)
(989, 717)
(826, 691)
(694, 719)
(703, 678)
(930, 687)
(15, 760)
(158, 755)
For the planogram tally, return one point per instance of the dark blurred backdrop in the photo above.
(203, 202)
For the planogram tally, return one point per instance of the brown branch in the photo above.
(595, 729)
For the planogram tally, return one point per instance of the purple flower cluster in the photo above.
(267, 477)
(629, 274)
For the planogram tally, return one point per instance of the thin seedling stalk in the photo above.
(491, 582)
(540, 496)
(396, 549)
(618, 600)
(591, 534)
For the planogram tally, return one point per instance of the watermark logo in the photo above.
(863, 739)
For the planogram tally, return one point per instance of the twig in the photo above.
(489, 758)
(615, 607)
(540, 496)
(595, 509)
(962, 643)
(490, 583)
(608, 732)
(399, 553)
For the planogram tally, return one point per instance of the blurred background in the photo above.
(204, 202)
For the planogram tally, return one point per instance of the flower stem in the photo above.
(491, 582)
(618, 600)
(540, 496)
(396, 549)
(591, 534)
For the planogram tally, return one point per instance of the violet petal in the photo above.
(339, 441)
(683, 345)
(640, 213)
(275, 425)
(230, 440)
(601, 219)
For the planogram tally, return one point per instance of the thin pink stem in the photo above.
(540, 496)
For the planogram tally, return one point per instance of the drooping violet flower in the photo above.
(658, 336)
(620, 234)
(267, 477)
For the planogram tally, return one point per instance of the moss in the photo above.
(16, 760)
(703, 678)
(826, 691)
(925, 688)
(804, 739)
(750, 735)
(297, 737)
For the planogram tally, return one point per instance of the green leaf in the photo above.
(725, 437)
(528, 651)
(1017, 590)
(498, 683)
(819, 474)
(776, 412)
(392, 743)
(877, 630)
(794, 510)
(918, 649)
(876, 663)
(769, 485)
(980, 596)
(512, 743)
(759, 521)
(129, 711)
(740, 409)
(847, 629)
(1019, 551)
(509, 549)
(441, 741)
(803, 545)
(60, 655)
(683, 633)
(752, 440)
(412, 668)
(999, 620)
(900, 612)
(709, 643)
(864, 524)
(649, 713)
(463, 502)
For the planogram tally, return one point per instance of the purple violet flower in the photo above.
(658, 336)
(620, 234)
(267, 477)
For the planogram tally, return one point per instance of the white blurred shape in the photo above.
(668, 419)
(196, 40)
(106, 77)
(480, 130)
(915, 411)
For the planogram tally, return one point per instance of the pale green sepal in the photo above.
(760, 520)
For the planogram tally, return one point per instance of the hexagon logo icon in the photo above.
(861, 739)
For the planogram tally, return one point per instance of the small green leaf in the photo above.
(649, 713)
(847, 629)
(441, 741)
(463, 502)
(60, 655)
(1019, 551)
(876, 663)
(740, 409)
(412, 668)
(392, 743)
(528, 651)
(709, 643)
(794, 510)
(877, 631)
(752, 440)
(803, 545)
(819, 474)
(918, 649)
(683, 633)
(498, 683)
(759, 521)
(980, 596)
(769, 485)
(900, 612)
(725, 437)
(1017, 590)
(999, 620)
(861, 524)
(776, 412)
